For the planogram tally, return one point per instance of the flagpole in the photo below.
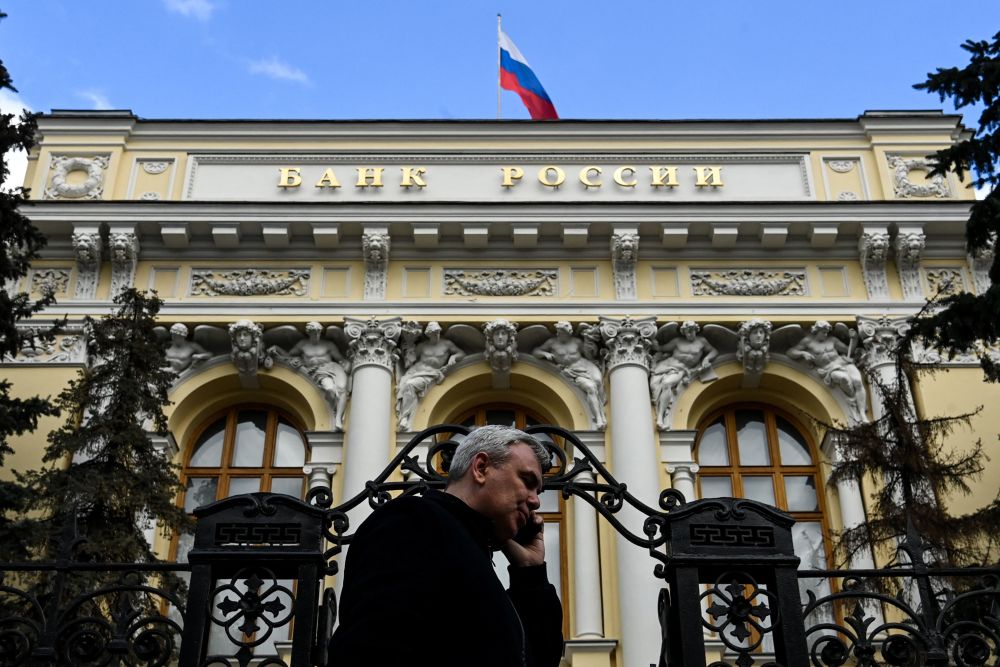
(498, 66)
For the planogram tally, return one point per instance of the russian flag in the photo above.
(516, 75)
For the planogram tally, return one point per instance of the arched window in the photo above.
(553, 507)
(759, 452)
(243, 449)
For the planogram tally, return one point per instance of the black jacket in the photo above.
(419, 589)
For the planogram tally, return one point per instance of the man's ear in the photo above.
(480, 464)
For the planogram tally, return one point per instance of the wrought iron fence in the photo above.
(730, 583)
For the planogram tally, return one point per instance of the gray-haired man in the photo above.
(420, 587)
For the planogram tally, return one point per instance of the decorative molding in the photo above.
(501, 282)
(375, 248)
(150, 196)
(250, 282)
(879, 335)
(874, 249)
(124, 247)
(247, 350)
(154, 167)
(944, 281)
(87, 248)
(841, 166)
(980, 263)
(624, 254)
(373, 342)
(909, 246)
(49, 281)
(748, 282)
(905, 188)
(846, 195)
(501, 350)
(753, 350)
(91, 188)
(628, 341)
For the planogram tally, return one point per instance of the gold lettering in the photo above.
(664, 176)
(713, 177)
(543, 176)
(413, 176)
(329, 180)
(619, 177)
(289, 177)
(373, 173)
(511, 174)
(585, 176)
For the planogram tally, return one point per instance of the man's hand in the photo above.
(528, 553)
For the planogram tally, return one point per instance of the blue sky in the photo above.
(395, 59)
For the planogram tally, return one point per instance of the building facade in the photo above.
(687, 296)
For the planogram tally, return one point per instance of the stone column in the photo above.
(372, 352)
(588, 618)
(326, 453)
(852, 505)
(879, 336)
(677, 452)
(634, 462)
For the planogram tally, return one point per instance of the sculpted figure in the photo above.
(429, 360)
(245, 336)
(568, 353)
(323, 363)
(182, 353)
(675, 364)
(831, 359)
(501, 344)
(752, 349)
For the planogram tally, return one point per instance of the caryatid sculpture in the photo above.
(832, 360)
(675, 364)
(575, 359)
(325, 365)
(423, 365)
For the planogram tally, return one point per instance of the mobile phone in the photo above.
(527, 534)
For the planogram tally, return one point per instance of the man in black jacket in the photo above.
(419, 585)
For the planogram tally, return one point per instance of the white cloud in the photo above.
(198, 9)
(97, 98)
(276, 69)
(17, 161)
(983, 191)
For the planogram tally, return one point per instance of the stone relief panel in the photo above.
(90, 185)
(936, 186)
(980, 263)
(49, 281)
(501, 282)
(249, 282)
(69, 347)
(944, 281)
(749, 282)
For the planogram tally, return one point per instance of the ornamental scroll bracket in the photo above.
(909, 246)
(87, 248)
(624, 254)
(375, 249)
(124, 248)
(873, 248)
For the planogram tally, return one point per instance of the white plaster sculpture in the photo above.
(832, 359)
(245, 337)
(677, 362)
(182, 353)
(575, 357)
(319, 358)
(423, 365)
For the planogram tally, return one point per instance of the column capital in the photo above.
(879, 335)
(373, 342)
(689, 467)
(628, 341)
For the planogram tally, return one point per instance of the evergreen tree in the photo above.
(968, 320)
(913, 470)
(104, 471)
(20, 242)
